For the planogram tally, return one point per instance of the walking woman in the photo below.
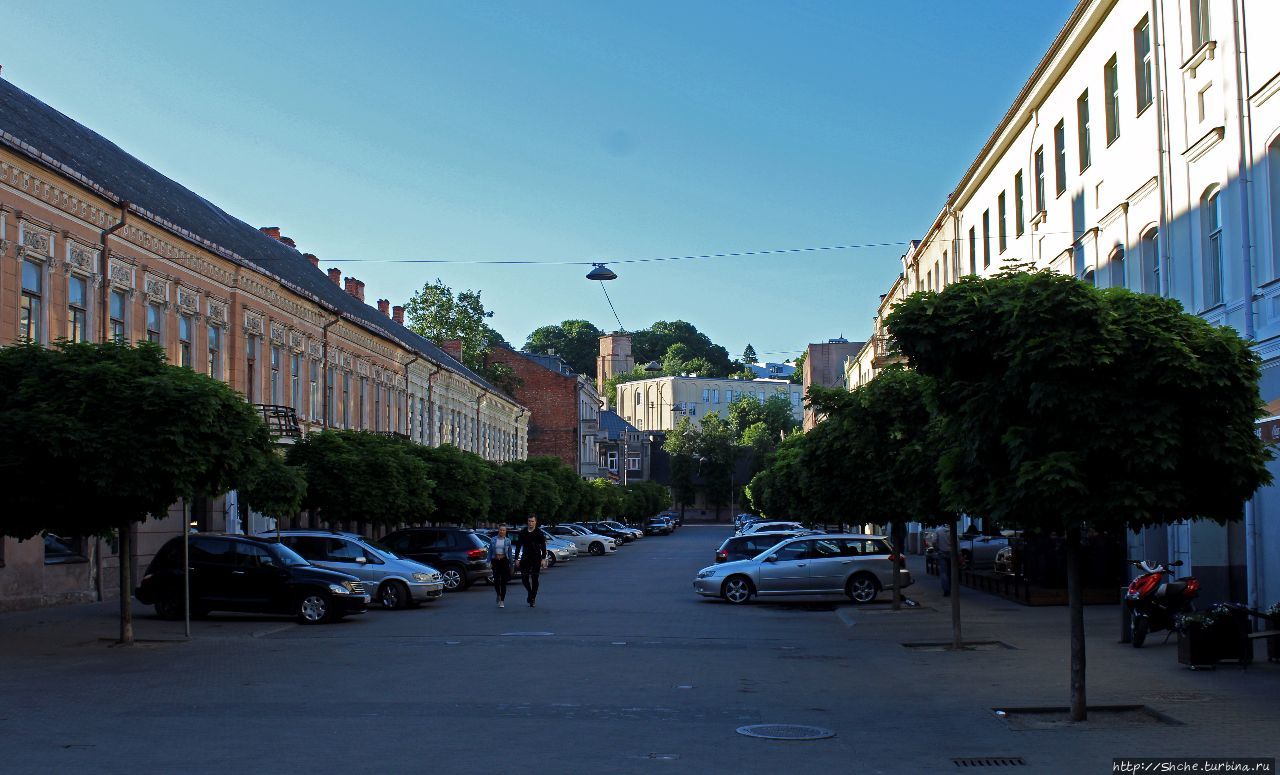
(500, 561)
(531, 550)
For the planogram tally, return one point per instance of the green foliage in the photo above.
(508, 491)
(462, 494)
(656, 341)
(749, 355)
(778, 490)
(577, 341)
(797, 377)
(767, 423)
(359, 476)
(436, 313)
(96, 436)
(274, 488)
(1062, 404)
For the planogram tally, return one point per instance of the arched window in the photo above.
(1211, 245)
(1149, 257)
(1273, 175)
(1115, 265)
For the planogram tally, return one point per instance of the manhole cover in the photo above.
(785, 732)
(525, 634)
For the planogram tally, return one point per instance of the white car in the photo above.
(756, 527)
(585, 540)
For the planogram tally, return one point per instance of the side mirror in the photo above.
(361, 560)
(1177, 564)
(771, 558)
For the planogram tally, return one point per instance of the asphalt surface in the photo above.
(619, 668)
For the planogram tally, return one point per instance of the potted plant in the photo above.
(1195, 640)
(1221, 633)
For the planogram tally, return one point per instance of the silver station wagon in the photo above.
(858, 566)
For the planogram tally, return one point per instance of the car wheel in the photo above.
(314, 608)
(393, 595)
(737, 589)
(596, 548)
(862, 588)
(1138, 630)
(455, 578)
(169, 607)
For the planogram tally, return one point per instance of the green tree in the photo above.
(681, 446)
(749, 355)
(274, 488)
(778, 490)
(797, 376)
(542, 499)
(577, 341)
(438, 314)
(363, 477)
(463, 495)
(508, 491)
(717, 455)
(652, 344)
(118, 435)
(1066, 408)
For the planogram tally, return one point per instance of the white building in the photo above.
(1144, 152)
(658, 403)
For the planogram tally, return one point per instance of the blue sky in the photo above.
(561, 131)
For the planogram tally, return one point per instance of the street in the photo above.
(620, 668)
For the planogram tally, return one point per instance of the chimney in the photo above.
(360, 290)
(355, 288)
(335, 274)
(271, 231)
(397, 314)
(289, 241)
(384, 306)
(312, 258)
(453, 347)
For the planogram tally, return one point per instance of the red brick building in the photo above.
(564, 408)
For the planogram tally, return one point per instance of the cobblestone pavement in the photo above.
(620, 668)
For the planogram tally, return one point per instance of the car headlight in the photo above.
(422, 578)
(706, 573)
(340, 589)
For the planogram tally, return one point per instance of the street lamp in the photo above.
(601, 272)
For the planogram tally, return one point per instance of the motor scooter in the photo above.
(1155, 601)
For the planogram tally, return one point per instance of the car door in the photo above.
(258, 579)
(212, 562)
(345, 555)
(830, 564)
(788, 572)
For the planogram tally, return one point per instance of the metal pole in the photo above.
(186, 570)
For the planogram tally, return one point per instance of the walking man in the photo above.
(531, 548)
(500, 561)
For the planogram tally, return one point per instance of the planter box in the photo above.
(1197, 649)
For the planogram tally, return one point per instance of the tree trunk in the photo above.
(956, 641)
(1075, 604)
(896, 531)
(126, 585)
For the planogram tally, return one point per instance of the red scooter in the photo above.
(1154, 601)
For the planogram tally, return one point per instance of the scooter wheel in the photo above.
(1140, 628)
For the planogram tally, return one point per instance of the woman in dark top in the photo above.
(531, 548)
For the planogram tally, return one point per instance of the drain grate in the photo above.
(990, 761)
(785, 732)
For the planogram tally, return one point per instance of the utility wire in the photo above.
(615, 312)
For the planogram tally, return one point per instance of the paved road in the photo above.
(620, 668)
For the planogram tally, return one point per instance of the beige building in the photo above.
(658, 403)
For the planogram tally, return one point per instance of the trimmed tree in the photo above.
(121, 435)
(462, 478)
(1065, 407)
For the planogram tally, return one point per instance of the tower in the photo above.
(614, 358)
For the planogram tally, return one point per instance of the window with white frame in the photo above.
(973, 250)
(184, 341)
(1040, 179)
(986, 238)
(277, 386)
(77, 309)
(1211, 227)
(1142, 63)
(1082, 129)
(1115, 266)
(1273, 179)
(1060, 158)
(706, 395)
(251, 368)
(214, 361)
(1001, 224)
(1200, 30)
(633, 461)
(346, 399)
(363, 413)
(1019, 215)
(313, 395)
(1149, 256)
(295, 382)
(119, 312)
(1111, 80)
(155, 323)
(611, 460)
(31, 305)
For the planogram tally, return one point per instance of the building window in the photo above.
(31, 314)
(295, 383)
(633, 461)
(1200, 33)
(77, 309)
(1142, 63)
(1273, 176)
(331, 376)
(250, 368)
(611, 460)
(362, 414)
(184, 341)
(1150, 258)
(346, 399)
(276, 386)
(1116, 264)
(118, 311)
(313, 408)
(986, 238)
(928, 280)
(377, 408)
(1111, 79)
(155, 323)
(215, 352)
(706, 395)
(1040, 179)
(1003, 229)
(1211, 224)
(1060, 158)
(1019, 215)
(1082, 130)
(973, 251)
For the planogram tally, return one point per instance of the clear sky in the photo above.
(561, 131)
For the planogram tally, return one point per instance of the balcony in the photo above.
(281, 421)
(589, 425)
(884, 352)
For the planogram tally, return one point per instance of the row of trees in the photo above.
(360, 478)
(1040, 403)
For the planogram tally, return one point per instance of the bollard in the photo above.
(1126, 619)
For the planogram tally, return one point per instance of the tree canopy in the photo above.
(364, 477)
(577, 341)
(437, 313)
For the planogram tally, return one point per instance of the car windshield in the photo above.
(383, 550)
(286, 555)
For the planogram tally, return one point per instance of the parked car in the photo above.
(657, 526)
(558, 549)
(979, 552)
(634, 532)
(245, 573)
(759, 527)
(673, 516)
(585, 540)
(621, 536)
(744, 547)
(395, 582)
(461, 556)
(858, 566)
(1004, 561)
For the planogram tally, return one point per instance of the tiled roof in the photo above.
(612, 425)
(31, 127)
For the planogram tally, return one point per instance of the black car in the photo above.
(657, 526)
(602, 529)
(241, 573)
(460, 555)
(748, 546)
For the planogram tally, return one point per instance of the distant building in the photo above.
(658, 403)
(824, 365)
(772, 370)
(625, 451)
(614, 358)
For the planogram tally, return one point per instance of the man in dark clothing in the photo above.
(531, 548)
